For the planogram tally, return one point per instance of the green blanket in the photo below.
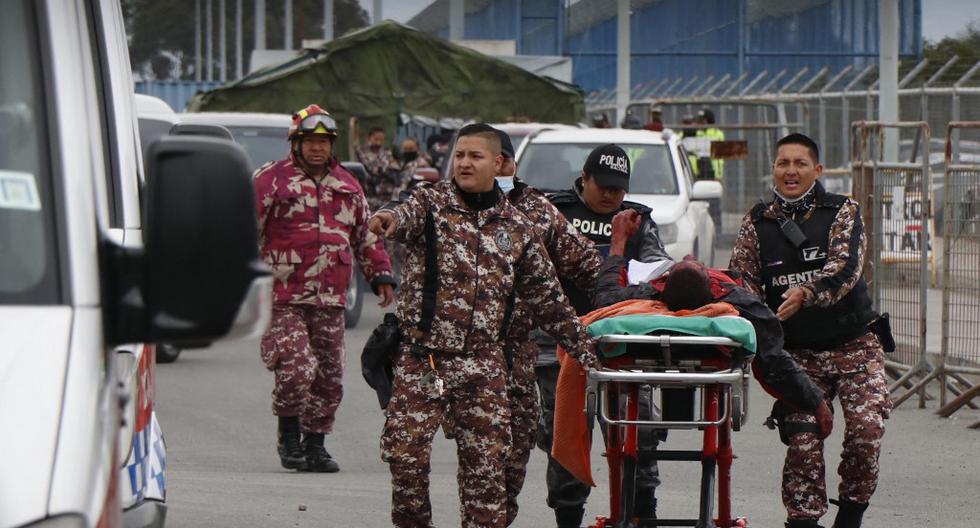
(730, 326)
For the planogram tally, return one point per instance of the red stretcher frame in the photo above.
(724, 404)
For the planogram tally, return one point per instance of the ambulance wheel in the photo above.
(354, 301)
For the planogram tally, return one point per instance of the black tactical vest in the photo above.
(597, 228)
(784, 266)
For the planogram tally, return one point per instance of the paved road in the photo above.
(223, 470)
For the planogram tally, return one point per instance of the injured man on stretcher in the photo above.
(699, 296)
(689, 285)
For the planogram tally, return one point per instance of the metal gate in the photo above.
(960, 352)
(896, 204)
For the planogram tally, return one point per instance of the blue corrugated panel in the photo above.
(175, 93)
(684, 38)
(496, 21)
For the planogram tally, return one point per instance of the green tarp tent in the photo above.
(378, 73)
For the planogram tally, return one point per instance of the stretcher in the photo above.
(702, 381)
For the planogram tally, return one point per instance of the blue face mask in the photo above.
(506, 183)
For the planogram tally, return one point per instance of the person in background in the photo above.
(402, 171)
(379, 187)
(409, 158)
(312, 224)
(706, 168)
(437, 146)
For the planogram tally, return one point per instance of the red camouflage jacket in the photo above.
(310, 233)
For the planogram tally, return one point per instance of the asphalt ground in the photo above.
(223, 470)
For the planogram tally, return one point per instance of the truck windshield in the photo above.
(555, 166)
(28, 252)
(262, 144)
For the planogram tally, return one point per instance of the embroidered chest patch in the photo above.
(503, 241)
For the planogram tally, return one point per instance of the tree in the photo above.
(966, 45)
(161, 32)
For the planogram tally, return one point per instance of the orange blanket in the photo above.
(572, 445)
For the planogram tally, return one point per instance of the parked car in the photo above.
(263, 136)
(519, 131)
(94, 269)
(661, 178)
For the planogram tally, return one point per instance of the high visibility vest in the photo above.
(717, 165)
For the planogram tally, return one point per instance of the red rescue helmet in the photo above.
(312, 120)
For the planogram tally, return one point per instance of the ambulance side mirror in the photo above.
(199, 276)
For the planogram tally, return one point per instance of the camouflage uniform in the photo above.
(852, 371)
(483, 260)
(309, 234)
(403, 175)
(381, 184)
(577, 261)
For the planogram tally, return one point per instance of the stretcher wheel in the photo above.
(736, 412)
(590, 409)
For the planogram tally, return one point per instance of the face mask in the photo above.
(506, 183)
(410, 155)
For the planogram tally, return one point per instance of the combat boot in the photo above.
(569, 516)
(318, 460)
(646, 513)
(802, 523)
(290, 451)
(849, 513)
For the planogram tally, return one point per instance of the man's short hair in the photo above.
(484, 131)
(688, 287)
(801, 139)
(375, 130)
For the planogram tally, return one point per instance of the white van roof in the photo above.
(149, 106)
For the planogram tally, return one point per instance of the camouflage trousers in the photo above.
(304, 347)
(525, 412)
(475, 397)
(566, 491)
(854, 374)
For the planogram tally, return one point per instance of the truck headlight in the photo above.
(668, 233)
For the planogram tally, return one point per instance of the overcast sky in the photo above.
(940, 18)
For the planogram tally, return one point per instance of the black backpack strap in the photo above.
(430, 284)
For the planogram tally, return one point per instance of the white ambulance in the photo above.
(98, 261)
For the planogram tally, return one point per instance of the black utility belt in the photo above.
(824, 347)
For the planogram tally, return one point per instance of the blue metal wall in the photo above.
(538, 26)
(175, 93)
(684, 38)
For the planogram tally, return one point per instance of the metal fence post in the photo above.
(957, 86)
(845, 111)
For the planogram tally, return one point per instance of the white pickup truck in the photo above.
(99, 261)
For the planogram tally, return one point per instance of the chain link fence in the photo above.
(922, 208)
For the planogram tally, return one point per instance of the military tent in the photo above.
(381, 73)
